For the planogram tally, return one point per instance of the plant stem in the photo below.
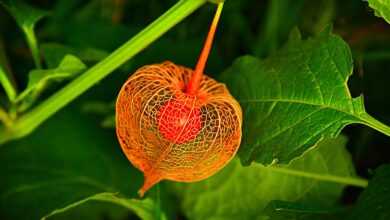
(6, 78)
(4, 117)
(196, 77)
(6, 82)
(373, 123)
(28, 122)
(353, 181)
(33, 44)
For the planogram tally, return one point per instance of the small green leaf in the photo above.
(382, 8)
(145, 209)
(53, 53)
(26, 17)
(69, 67)
(374, 203)
(295, 98)
(239, 192)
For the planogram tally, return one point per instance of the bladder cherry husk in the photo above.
(208, 134)
(176, 123)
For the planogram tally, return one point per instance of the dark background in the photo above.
(256, 27)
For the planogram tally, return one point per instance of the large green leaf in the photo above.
(239, 192)
(67, 160)
(374, 203)
(295, 98)
(381, 8)
(69, 67)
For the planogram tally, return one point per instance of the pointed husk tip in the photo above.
(149, 182)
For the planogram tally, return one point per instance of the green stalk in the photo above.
(6, 82)
(4, 118)
(28, 122)
(6, 78)
(33, 45)
(375, 124)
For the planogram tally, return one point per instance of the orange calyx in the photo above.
(210, 124)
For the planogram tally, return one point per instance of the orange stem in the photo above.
(196, 77)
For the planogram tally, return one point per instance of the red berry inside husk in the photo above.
(178, 122)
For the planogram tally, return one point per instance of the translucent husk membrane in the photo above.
(169, 134)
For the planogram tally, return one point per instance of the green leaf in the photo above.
(145, 209)
(295, 98)
(382, 8)
(239, 192)
(68, 159)
(374, 203)
(26, 17)
(38, 81)
(53, 53)
(69, 67)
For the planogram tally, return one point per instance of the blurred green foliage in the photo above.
(239, 192)
(373, 203)
(72, 157)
